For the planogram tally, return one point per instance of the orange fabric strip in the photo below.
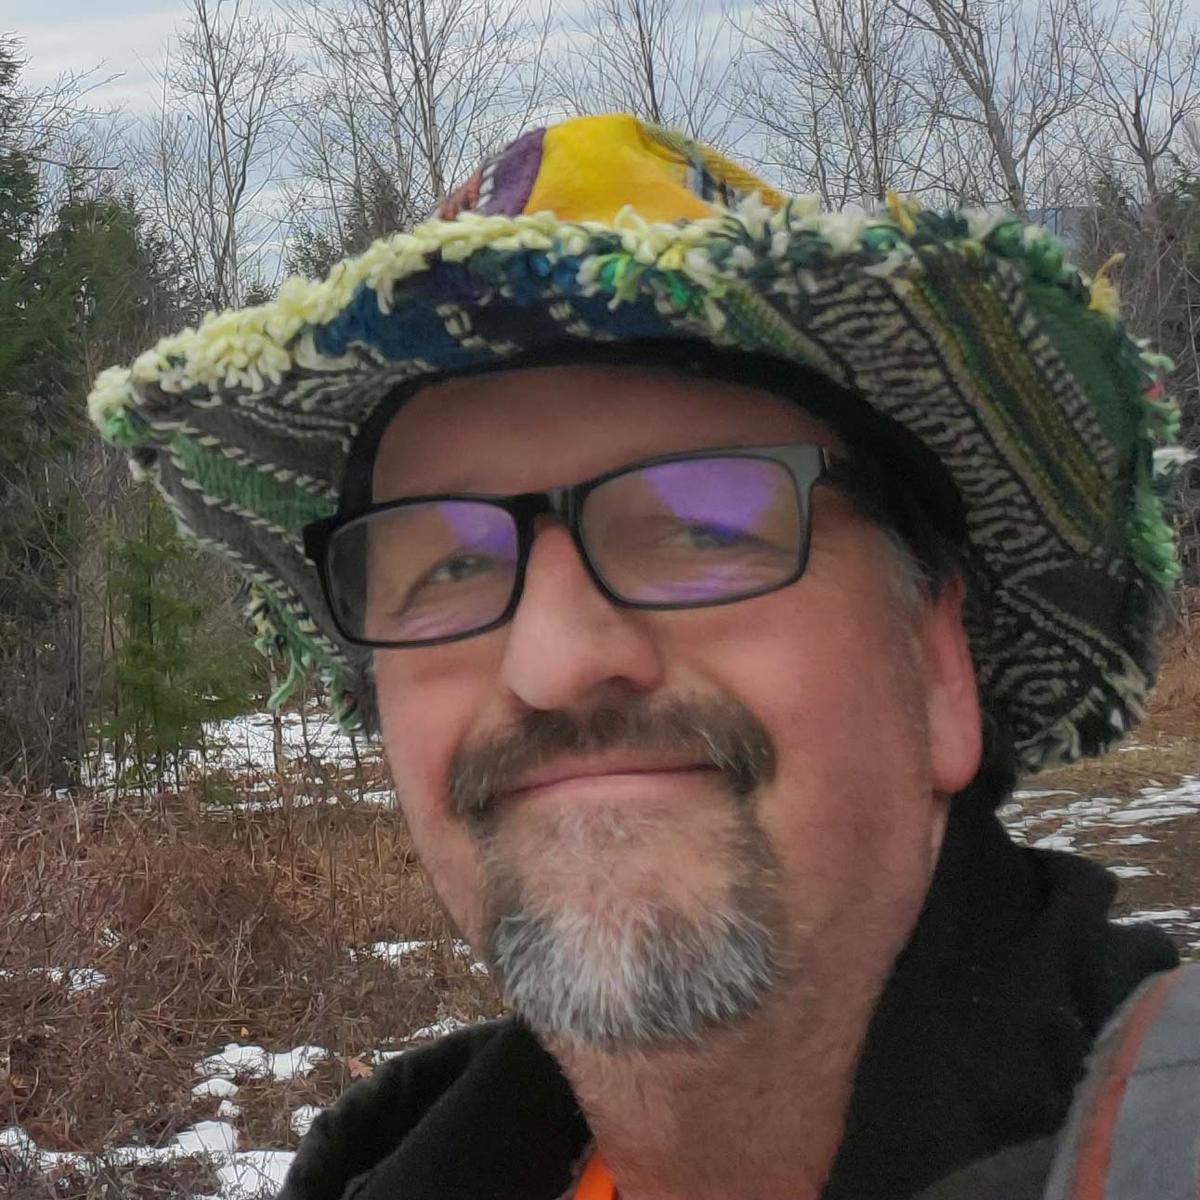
(1095, 1148)
(595, 1183)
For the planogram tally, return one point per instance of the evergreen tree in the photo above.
(171, 670)
(96, 288)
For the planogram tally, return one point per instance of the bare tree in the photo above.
(1010, 71)
(1145, 81)
(670, 62)
(62, 135)
(212, 151)
(829, 82)
(404, 97)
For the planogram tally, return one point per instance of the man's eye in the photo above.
(715, 537)
(458, 568)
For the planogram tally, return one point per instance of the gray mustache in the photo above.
(720, 732)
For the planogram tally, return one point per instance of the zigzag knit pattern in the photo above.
(967, 328)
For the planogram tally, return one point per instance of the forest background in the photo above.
(279, 139)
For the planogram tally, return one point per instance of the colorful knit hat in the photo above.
(967, 328)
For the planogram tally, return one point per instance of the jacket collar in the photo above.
(976, 1045)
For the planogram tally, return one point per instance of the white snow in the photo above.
(77, 979)
(237, 1060)
(392, 953)
(246, 743)
(395, 953)
(217, 1086)
(438, 1029)
(253, 1173)
(303, 1117)
(1055, 841)
(1103, 819)
(250, 739)
(1155, 915)
(1125, 872)
(205, 1137)
(1151, 816)
(243, 1175)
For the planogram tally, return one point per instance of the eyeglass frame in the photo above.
(807, 463)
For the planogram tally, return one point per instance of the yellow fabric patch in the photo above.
(592, 167)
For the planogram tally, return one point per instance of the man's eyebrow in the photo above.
(453, 483)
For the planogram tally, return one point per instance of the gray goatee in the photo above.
(644, 975)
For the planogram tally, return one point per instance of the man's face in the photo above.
(707, 806)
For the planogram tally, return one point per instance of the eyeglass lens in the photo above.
(692, 531)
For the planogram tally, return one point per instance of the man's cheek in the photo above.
(448, 854)
(420, 735)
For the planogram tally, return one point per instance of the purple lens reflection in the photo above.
(432, 570)
(483, 527)
(696, 530)
(734, 491)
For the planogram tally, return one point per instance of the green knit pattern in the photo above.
(969, 329)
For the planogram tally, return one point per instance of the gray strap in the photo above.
(1156, 1144)
(1134, 1128)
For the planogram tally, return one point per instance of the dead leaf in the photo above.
(358, 1069)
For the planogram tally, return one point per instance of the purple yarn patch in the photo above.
(508, 182)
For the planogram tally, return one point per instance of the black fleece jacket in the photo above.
(967, 1070)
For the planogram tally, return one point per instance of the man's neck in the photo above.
(753, 1114)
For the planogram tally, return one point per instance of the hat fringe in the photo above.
(755, 276)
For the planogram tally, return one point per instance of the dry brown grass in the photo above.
(1160, 753)
(22, 1179)
(1164, 748)
(212, 924)
(208, 930)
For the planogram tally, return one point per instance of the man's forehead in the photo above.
(581, 416)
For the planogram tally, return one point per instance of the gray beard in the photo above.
(641, 976)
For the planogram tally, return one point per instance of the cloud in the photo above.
(121, 44)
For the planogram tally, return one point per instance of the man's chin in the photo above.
(639, 977)
(635, 926)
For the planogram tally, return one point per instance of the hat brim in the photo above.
(967, 330)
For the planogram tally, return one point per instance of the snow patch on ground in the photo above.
(208, 1137)
(247, 743)
(1155, 916)
(77, 979)
(83, 979)
(218, 1086)
(1102, 820)
(396, 954)
(438, 1029)
(237, 1060)
(242, 1174)
(1086, 823)
(253, 1173)
(1135, 872)
(302, 1119)
(392, 953)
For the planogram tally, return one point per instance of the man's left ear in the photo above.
(951, 698)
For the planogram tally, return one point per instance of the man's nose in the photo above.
(568, 645)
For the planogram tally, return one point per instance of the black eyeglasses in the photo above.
(679, 531)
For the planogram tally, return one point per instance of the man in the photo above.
(675, 537)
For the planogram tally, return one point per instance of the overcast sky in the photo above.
(126, 36)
